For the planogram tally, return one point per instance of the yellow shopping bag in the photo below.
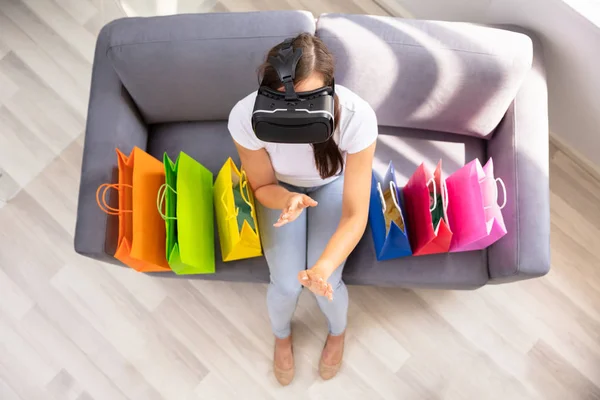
(236, 214)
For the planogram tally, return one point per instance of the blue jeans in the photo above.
(297, 246)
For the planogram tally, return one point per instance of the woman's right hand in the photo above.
(296, 203)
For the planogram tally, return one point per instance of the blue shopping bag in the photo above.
(386, 217)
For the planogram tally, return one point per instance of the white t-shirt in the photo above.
(295, 163)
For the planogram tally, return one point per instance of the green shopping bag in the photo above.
(188, 198)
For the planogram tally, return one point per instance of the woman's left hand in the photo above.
(315, 279)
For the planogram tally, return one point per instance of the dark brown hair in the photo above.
(315, 58)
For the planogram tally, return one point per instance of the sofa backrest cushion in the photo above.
(441, 76)
(195, 67)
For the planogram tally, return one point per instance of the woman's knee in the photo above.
(287, 288)
(335, 280)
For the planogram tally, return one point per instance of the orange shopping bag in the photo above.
(141, 242)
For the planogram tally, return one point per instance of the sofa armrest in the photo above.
(113, 121)
(520, 148)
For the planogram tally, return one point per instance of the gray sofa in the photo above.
(441, 90)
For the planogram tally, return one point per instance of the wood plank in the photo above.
(561, 380)
(57, 186)
(7, 392)
(63, 24)
(7, 88)
(108, 11)
(80, 10)
(4, 49)
(55, 46)
(15, 303)
(44, 66)
(23, 155)
(64, 386)
(8, 186)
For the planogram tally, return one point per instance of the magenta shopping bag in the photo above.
(473, 210)
(426, 212)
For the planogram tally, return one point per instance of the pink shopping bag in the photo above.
(473, 210)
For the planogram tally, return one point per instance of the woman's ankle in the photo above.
(283, 344)
(283, 333)
(337, 335)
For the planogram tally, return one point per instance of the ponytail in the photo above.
(328, 157)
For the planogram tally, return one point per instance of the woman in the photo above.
(331, 180)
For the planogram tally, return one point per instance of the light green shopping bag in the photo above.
(188, 197)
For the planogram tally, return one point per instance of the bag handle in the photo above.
(445, 196)
(230, 215)
(432, 180)
(244, 186)
(501, 182)
(104, 204)
(160, 199)
(394, 193)
(383, 206)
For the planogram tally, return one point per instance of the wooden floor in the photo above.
(72, 328)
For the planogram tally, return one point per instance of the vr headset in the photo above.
(290, 116)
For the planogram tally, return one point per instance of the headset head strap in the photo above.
(285, 65)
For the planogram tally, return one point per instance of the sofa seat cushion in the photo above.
(210, 144)
(408, 148)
